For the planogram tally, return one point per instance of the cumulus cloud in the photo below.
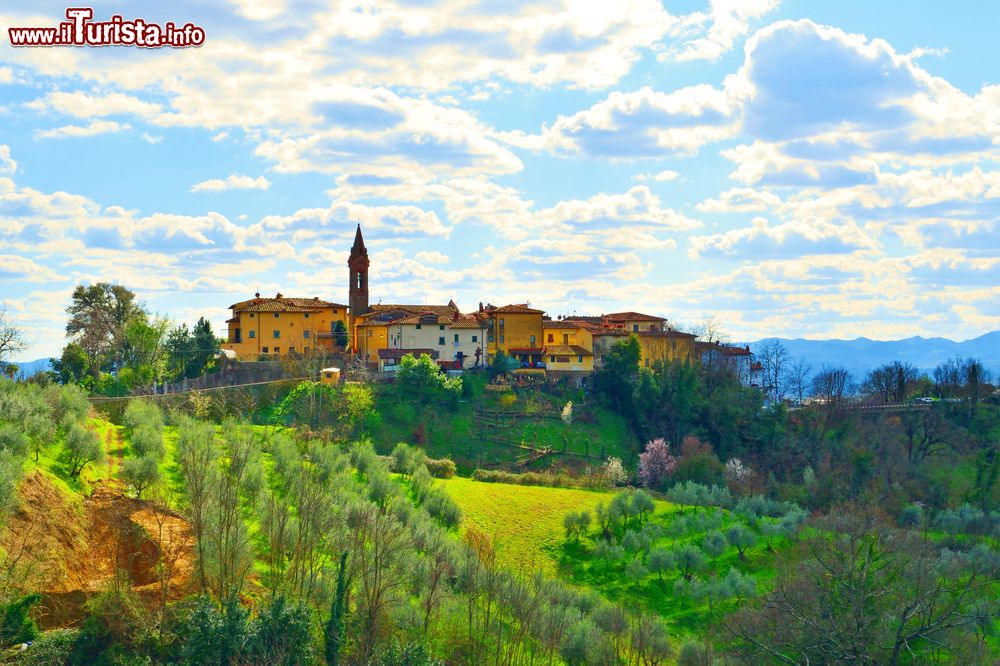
(644, 123)
(726, 21)
(233, 181)
(791, 239)
(13, 267)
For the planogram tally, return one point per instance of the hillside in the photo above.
(862, 354)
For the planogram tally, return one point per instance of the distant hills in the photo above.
(861, 354)
(26, 369)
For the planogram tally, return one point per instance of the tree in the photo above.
(80, 447)
(191, 352)
(832, 385)
(334, 631)
(99, 316)
(616, 379)
(614, 471)
(774, 358)
(424, 378)
(742, 538)
(688, 559)
(797, 378)
(890, 382)
(576, 524)
(866, 594)
(142, 472)
(656, 463)
(660, 560)
(12, 341)
(72, 366)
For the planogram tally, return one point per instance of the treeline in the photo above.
(116, 345)
(942, 455)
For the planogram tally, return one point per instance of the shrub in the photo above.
(560, 480)
(16, 626)
(693, 653)
(441, 468)
(81, 446)
(442, 507)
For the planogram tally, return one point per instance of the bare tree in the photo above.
(890, 382)
(797, 378)
(832, 385)
(12, 340)
(773, 356)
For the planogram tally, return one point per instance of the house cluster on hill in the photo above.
(535, 344)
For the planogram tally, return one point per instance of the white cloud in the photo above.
(24, 269)
(643, 123)
(151, 139)
(233, 181)
(791, 239)
(659, 177)
(81, 104)
(7, 163)
(740, 200)
(77, 131)
(727, 20)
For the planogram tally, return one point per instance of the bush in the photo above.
(560, 480)
(441, 468)
(912, 515)
(695, 654)
(442, 507)
(141, 473)
(16, 626)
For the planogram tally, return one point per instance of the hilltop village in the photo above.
(534, 344)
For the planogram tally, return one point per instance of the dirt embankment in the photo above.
(70, 550)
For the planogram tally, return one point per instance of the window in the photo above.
(475, 338)
(552, 359)
(579, 358)
(501, 322)
(441, 340)
(456, 338)
(441, 327)
(277, 350)
(306, 315)
(532, 341)
(501, 339)
(552, 338)
(252, 334)
(264, 350)
(291, 350)
(418, 327)
(305, 334)
(565, 338)
(277, 334)
(237, 336)
(635, 327)
(276, 315)
(252, 315)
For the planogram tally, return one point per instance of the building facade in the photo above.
(282, 325)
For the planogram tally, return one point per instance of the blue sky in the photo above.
(800, 169)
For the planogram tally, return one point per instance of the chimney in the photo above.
(279, 295)
(480, 306)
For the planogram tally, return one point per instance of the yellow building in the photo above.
(568, 333)
(371, 329)
(568, 358)
(517, 331)
(665, 346)
(282, 325)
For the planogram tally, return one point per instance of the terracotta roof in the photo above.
(283, 304)
(724, 349)
(631, 316)
(537, 351)
(449, 310)
(566, 350)
(561, 324)
(617, 332)
(665, 334)
(426, 318)
(450, 365)
(584, 318)
(517, 309)
(397, 354)
(469, 322)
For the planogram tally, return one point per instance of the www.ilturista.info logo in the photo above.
(79, 30)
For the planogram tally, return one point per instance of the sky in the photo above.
(793, 169)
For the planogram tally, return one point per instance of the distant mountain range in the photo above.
(861, 354)
(26, 369)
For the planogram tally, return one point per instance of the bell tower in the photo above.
(358, 265)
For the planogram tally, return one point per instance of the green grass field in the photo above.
(526, 524)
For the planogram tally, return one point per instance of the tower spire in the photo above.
(358, 265)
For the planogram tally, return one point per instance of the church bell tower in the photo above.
(358, 265)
